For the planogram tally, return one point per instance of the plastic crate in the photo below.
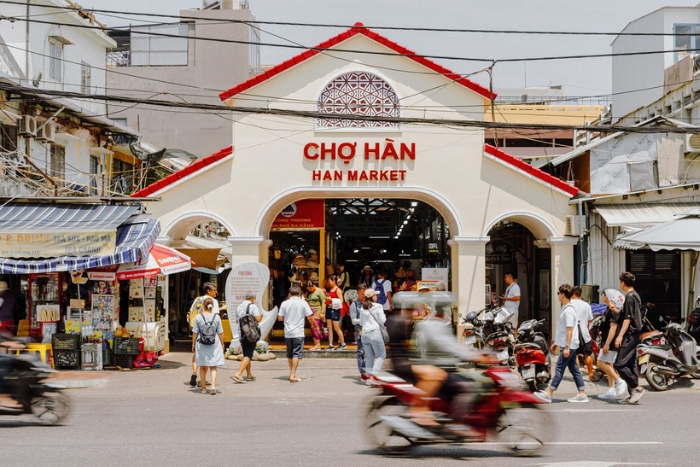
(66, 358)
(65, 341)
(124, 360)
(126, 346)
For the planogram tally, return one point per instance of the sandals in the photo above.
(252, 378)
(298, 380)
(213, 391)
(236, 379)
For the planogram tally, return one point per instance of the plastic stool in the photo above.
(45, 352)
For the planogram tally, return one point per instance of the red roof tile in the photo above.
(530, 169)
(183, 173)
(357, 29)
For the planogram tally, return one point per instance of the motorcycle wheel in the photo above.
(51, 408)
(380, 435)
(656, 381)
(525, 429)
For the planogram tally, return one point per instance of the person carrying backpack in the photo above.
(208, 344)
(383, 288)
(248, 317)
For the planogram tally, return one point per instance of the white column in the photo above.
(468, 275)
(247, 250)
(562, 271)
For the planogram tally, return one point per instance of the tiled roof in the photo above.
(531, 170)
(358, 28)
(183, 173)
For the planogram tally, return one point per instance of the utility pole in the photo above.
(493, 102)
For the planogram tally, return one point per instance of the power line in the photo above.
(346, 26)
(314, 114)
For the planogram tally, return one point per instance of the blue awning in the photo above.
(134, 242)
(42, 217)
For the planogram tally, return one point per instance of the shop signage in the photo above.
(498, 253)
(435, 275)
(346, 152)
(359, 225)
(307, 214)
(50, 245)
(248, 278)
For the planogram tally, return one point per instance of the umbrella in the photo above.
(161, 261)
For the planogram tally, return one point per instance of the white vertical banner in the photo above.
(248, 278)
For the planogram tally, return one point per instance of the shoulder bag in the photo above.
(382, 328)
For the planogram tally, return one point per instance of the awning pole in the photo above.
(691, 286)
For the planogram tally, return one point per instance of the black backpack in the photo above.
(207, 332)
(250, 330)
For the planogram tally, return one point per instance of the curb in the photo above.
(79, 383)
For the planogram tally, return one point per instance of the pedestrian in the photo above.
(292, 312)
(383, 288)
(247, 307)
(334, 306)
(366, 277)
(208, 344)
(584, 315)
(355, 312)
(627, 341)
(566, 343)
(348, 298)
(371, 317)
(316, 299)
(609, 328)
(410, 280)
(7, 308)
(208, 291)
(511, 297)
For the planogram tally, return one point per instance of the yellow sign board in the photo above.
(53, 244)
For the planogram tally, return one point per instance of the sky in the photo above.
(580, 77)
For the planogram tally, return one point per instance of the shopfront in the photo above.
(466, 191)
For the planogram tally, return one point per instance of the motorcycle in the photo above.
(650, 335)
(661, 364)
(473, 333)
(596, 346)
(532, 355)
(29, 386)
(503, 410)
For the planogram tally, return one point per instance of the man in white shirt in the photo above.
(511, 297)
(246, 307)
(292, 312)
(584, 315)
(208, 291)
(383, 287)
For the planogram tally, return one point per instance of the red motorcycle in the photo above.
(532, 355)
(465, 414)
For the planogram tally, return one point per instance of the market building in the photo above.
(435, 196)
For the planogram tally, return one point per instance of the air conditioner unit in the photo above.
(27, 125)
(692, 142)
(573, 226)
(47, 133)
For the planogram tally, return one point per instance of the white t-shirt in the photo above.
(584, 314)
(567, 319)
(240, 311)
(386, 284)
(294, 311)
(513, 290)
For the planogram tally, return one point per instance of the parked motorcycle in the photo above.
(532, 355)
(502, 410)
(650, 335)
(473, 331)
(29, 384)
(661, 364)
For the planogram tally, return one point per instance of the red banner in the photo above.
(307, 214)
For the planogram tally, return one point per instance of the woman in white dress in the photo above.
(208, 356)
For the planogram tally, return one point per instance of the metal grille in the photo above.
(358, 94)
(658, 281)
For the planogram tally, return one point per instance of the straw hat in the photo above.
(367, 268)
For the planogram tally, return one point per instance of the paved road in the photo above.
(153, 418)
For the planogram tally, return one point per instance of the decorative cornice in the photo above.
(244, 241)
(562, 240)
(458, 241)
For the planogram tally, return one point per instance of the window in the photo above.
(122, 176)
(162, 48)
(358, 93)
(57, 168)
(8, 138)
(687, 40)
(85, 76)
(94, 173)
(120, 121)
(55, 60)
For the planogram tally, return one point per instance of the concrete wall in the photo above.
(212, 67)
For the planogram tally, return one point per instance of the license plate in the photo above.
(643, 359)
(470, 340)
(529, 373)
(502, 355)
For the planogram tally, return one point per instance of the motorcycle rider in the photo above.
(6, 368)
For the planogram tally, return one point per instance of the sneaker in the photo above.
(579, 398)
(193, 380)
(342, 347)
(364, 376)
(609, 395)
(543, 396)
(620, 389)
(330, 347)
(636, 395)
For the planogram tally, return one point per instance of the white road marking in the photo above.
(597, 410)
(590, 464)
(582, 443)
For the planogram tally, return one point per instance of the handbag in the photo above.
(382, 329)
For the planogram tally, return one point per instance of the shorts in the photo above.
(586, 349)
(333, 315)
(248, 350)
(295, 347)
(607, 357)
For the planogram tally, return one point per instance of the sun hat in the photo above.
(366, 268)
(615, 298)
(423, 287)
(369, 293)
